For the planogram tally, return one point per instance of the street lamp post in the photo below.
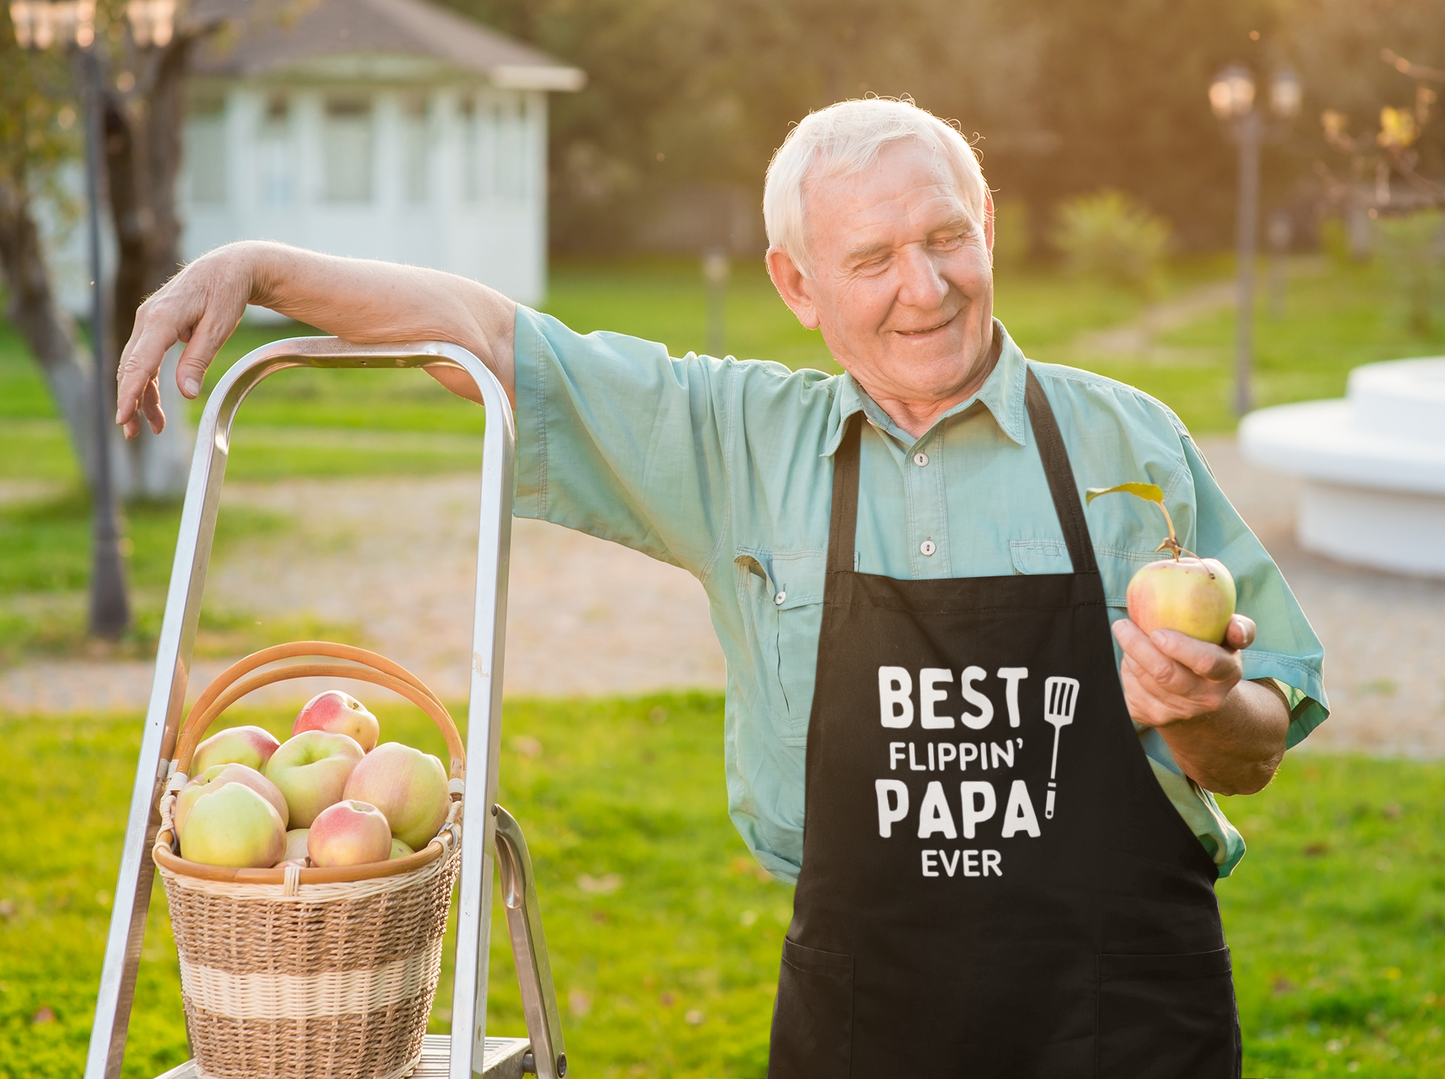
(1231, 96)
(41, 24)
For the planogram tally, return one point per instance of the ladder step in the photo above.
(502, 1059)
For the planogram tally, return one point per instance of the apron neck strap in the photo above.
(844, 524)
(1060, 475)
(1057, 470)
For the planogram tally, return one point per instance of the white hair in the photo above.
(844, 140)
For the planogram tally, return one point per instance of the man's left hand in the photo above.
(1170, 677)
(1226, 734)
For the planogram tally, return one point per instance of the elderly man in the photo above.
(1011, 845)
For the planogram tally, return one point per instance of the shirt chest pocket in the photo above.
(781, 596)
(1117, 565)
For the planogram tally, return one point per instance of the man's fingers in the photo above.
(139, 363)
(1143, 650)
(151, 406)
(1206, 660)
(1241, 632)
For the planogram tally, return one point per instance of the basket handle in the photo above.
(232, 684)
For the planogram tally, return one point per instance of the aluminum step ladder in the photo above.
(488, 830)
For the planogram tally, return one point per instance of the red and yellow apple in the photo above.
(218, 776)
(349, 833)
(408, 786)
(250, 746)
(340, 713)
(311, 769)
(233, 826)
(1192, 595)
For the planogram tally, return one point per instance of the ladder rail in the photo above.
(529, 948)
(173, 664)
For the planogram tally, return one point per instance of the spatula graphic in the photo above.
(1060, 697)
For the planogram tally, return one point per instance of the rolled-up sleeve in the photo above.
(1286, 648)
(617, 439)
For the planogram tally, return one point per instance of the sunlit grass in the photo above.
(1335, 917)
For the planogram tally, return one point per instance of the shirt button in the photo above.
(926, 548)
(780, 598)
(920, 459)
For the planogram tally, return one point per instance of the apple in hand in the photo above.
(233, 825)
(311, 769)
(400, 850)
(250, 746)
(217, 776)
(340, 713)
(349, 833)
(1192, 595)
(408, 786)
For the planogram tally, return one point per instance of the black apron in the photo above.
(993, 881)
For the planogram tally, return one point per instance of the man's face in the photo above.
(902, 285)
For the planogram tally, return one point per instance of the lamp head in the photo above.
(1286, 93)
(1231, 94)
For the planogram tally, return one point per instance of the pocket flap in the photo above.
(1039, 556)
(1180, 967)
(817, 961)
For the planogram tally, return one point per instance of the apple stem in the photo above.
(1171, 543)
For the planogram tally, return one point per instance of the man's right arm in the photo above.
(358, 300)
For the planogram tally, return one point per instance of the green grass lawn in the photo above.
(1335, 916)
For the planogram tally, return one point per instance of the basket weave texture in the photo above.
(297, 980)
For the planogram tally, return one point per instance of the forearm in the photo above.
(1236, 749)
(368, 302)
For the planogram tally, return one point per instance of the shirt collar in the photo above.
(1002, 395)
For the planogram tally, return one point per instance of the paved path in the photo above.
(395, 556)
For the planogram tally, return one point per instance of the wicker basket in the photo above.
(310, 973)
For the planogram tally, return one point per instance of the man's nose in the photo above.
(922, 284)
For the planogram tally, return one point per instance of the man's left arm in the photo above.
(1227, 734)
(1221, 709)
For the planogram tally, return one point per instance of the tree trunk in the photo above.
(143, 137)
(47, 329)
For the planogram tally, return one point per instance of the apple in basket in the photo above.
(408, 786)
(296, 840)
(234, 826)
(400, 849)
(349, 833)
(311, 769)
(340, 713)
(250, 746)
(217, 776)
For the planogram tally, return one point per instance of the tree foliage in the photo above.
(1067, 97)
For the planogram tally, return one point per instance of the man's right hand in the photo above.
(201, 306)
(361, 301)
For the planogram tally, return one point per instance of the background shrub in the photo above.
(1108, 234)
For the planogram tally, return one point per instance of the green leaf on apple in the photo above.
(1150, 492)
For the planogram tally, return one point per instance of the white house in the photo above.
(389, 129)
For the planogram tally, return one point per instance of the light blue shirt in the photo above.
(725, 468)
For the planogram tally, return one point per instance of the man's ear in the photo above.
(988, 218)
(793, 287)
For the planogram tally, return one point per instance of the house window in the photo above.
(274, 158)
(206, 150)
(416, 148)
(346, 143)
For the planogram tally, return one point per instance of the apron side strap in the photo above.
(844, 522)
(1060, 475)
